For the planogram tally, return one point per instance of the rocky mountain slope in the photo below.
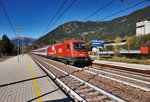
(122, 26)
(26, 40)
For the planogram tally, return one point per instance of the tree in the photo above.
(109, 48)
(64, 39)
(89, 45)
(129, 42)
(117, 47)
(48, 42)
(15, 49)
(6, 46)
(30, 48)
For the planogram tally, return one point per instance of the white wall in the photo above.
(143, 28)
(147, 28)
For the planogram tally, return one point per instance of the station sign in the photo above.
(144, 50)
(97, 43)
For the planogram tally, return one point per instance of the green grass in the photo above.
(125, 60)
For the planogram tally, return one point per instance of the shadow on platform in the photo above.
(22, 81)
(59, 100)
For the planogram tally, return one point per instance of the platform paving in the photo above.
(17, 85)
(125, 65)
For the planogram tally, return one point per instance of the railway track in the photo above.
(124, 73)
(145, 73)
(91, 84)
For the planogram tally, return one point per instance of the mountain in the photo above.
(26, 40)
(100, 30)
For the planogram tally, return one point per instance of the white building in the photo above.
(113, 43)
(94, 49)
(143, 28)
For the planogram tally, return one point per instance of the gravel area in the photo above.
(90, 95)
(123, 79)
(121, 72)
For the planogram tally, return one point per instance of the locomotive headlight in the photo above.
(87, 59)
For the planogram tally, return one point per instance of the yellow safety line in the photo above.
(35, 84)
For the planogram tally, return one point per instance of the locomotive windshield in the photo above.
(79, 46)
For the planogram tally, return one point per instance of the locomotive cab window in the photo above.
(68, 46)
(79, 46)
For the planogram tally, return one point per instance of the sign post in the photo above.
(98, 43)
(98, 54)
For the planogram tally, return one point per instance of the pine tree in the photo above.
(6, 46)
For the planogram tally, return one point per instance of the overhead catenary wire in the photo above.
(98, 10)
(62, 14)
(54, 16)
(127, 2)
(123, 10)
(7, 16)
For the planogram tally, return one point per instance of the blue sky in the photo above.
(34, 15)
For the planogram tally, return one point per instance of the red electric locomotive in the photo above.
(70, 52)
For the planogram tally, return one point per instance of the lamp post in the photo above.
(22, 46)
(18, 40)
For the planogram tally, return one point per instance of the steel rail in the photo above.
(114, 79)
(140, 72)
(122, 76)
(111, 95)
(77, 96)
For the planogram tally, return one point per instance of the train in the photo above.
(139, 54)
(73, 52)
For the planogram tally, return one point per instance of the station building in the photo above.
(143, 28)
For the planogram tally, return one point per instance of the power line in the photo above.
(62, 14)
(123, 10)
(8, 18)
(54, 16)
(127, 2)
(99, 10)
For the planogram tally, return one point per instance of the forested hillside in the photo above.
(123, 26)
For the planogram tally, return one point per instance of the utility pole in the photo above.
(83, 35)
(22, 46)
(18, 41)
(18, 46)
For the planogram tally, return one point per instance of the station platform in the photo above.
(125, 65)
(24, 81)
